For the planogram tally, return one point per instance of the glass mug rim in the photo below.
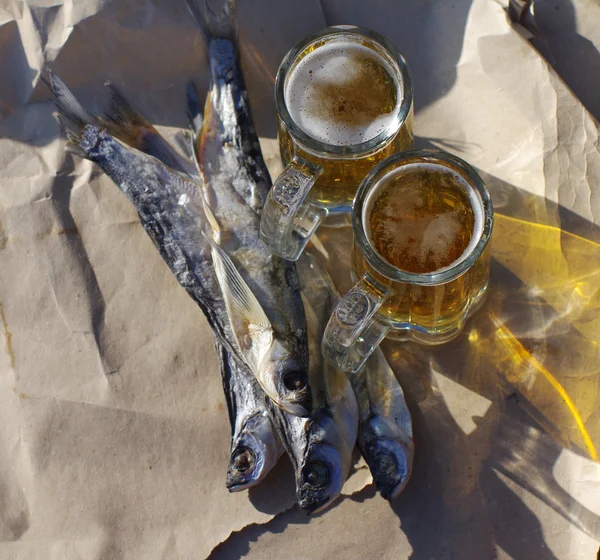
(324, 149)
(421, 156)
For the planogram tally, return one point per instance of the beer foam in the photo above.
(336, 94)
(440, 231)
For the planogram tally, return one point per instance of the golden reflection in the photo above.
(560, 267)
(524, 361)
(538, 334)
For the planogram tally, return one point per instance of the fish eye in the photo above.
(316, 474)
(294, 380)
(243, 459)
(386, 464)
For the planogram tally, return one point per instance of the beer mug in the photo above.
(422, 223)
(344, 100)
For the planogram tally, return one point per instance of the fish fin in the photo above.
(71, 113)
(318, 245)
(196, 118)
(246, 315)
(210, 216)
(213, 23)
(123, 113)
(128, 125)
(194, 108)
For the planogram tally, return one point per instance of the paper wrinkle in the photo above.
(114, 368)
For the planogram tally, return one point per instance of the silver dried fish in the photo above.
(385, 436)
(177, 232)
(255, 445)
(260, 290)
(321, 446)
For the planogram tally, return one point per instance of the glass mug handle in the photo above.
(288, 220)
(354, 330)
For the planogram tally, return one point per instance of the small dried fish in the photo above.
(320, 447)
(260, 290)
(255, 445)
(177, 232)
(385, 436)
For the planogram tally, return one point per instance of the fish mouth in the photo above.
(243, 470)
(389, 493)
(389, 489)
(311, 508)
(390, 472)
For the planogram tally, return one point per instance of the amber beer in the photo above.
(343, 93)
(344, 102)
(425, 218)
(422, 222)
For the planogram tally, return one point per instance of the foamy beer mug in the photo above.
(344, 100)
(422, 223)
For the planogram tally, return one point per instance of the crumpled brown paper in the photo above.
(113, 429)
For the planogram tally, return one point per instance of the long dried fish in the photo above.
(255, 445)
(260, 290)
(320, 447)
(177, 232)
(385, 436)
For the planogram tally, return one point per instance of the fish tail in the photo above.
(127, 124)
(71, 113)
(124, 119)
(214, 24)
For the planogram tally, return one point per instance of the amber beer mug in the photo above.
(344, 102)
(422, 223)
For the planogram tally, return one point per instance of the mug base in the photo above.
(432, 337)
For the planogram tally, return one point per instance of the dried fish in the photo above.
(177, 232)
(385, 436)
(260, 290)
(255, 445)
(320, 447)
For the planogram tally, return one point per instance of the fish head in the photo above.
(324, 467)
(389, 454)
(255, 452)
(320, 479)
(288, 373)
(245, 466)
